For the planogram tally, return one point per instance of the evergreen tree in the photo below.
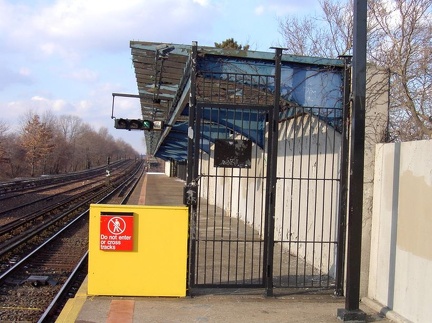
(230, 43)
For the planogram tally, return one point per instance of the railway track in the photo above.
(39, 266)
(17, 187)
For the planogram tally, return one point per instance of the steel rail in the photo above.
(29, 183)
(50, 311)
(12, 243)
(56, 302)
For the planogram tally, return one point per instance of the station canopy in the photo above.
(163, 74)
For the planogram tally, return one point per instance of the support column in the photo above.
(352, 312)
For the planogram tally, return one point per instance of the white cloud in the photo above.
(47, 48)
(38, 98)
(24, 71)
(83, 107)
(72, 28)
(42, 104)
(10, 76)
(280, 8)
(259, 10)
(68, 56)
(13, 111)
(59, 106)
(84, 75)
(203, 3)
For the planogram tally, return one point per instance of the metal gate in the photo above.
(228, 245)
(264, 185)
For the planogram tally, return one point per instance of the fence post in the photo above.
(271, 175)
(340, 258)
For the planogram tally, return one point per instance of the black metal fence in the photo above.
(263, 217)
(307, 195)
(229, 245)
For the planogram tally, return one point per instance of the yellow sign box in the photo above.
(137, 250)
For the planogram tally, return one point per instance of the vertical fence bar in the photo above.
(291, 204)
(299, 196)
(315, 229)
(271, 173)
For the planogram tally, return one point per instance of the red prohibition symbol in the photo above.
(116, 225)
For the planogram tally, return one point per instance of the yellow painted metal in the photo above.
(157, 264)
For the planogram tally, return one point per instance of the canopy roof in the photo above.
(163, 78)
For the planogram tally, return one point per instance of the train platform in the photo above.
(235, 305)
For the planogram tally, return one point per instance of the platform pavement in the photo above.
(210, 306)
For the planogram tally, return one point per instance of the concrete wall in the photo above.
(400, 276)
(377, 101)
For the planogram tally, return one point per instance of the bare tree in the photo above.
(327, 35)
(14, 162)
(106, 145)
(399, 40)
(52, 145)
(69, 126)
(124, 149)
(94, 147)
(3, 129)
(3, 152)
(36, 139)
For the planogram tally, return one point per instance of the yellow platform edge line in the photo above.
(74, 305)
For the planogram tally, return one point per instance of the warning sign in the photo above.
(116, 231)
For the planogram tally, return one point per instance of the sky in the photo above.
(68, 56)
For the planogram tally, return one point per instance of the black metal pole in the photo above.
(271, 175)
(192, 107)
(355, 200)
(191, 158)
(343, 194)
